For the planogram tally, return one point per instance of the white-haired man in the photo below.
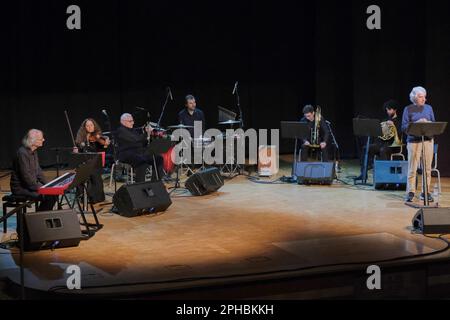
(27, 176)
(132, 149)
(418, 111)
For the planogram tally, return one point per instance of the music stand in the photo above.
(157, 147)
(79, 158)
(425, 129)
(294, 130)
(366, 128)
(83, 172)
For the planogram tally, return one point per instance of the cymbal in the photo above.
(230, 122)
(152, 124)
(180, 126)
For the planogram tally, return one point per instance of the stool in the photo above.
(129, 172)
(12, 201)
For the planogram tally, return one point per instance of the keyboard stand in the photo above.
(91, 228)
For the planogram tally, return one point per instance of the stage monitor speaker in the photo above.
(390, 174)
(314, 172)
(140, 198)
(432, 220)
(204, 182)
(51, 229)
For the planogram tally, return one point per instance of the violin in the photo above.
(96, 137)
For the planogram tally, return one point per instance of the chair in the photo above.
(398, 154)
(12, 201)
(433, 168)
(129, 172)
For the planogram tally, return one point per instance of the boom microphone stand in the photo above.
(168, 96)
(238, 104)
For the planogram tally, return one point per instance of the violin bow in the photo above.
(70, 127)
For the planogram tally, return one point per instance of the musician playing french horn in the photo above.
(319, 133)
(390, 141)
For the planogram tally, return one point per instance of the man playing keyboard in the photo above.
(27, 176)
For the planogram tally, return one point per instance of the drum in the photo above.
(168, 164)
(202, 142)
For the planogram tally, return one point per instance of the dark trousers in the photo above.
(46, 203)
(380, 149)
(95, 189)
(307, 151)
(141, 161)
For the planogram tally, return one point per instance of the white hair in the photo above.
(31, 137)
(415, 91)
(125, 116)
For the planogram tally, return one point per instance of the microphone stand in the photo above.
(238, 104)
(337, 151)
(113, 142)
(169, 95)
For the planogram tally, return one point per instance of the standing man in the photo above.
(27, 176)
(308, 117)
(190, 114)
(418, 111)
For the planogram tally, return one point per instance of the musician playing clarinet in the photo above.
(132, 148)
(27, 176)
(89, 139)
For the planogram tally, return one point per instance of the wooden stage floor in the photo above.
(245, 232)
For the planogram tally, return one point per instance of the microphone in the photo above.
(104, 112)
(170, 93)
(235, 88)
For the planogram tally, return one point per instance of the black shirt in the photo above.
(27, 174)
(184, 117)
(87, 147)
(324, 132)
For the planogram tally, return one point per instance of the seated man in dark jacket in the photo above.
(27, 176)
(324, 133)
(131, 143)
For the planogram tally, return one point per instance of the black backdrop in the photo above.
(284, 53)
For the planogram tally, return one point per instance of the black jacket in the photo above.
(130, 143)
(324, 131)
(27, 173)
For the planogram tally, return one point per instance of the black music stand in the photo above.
(425, 129)
(83, 172)
(157, 147)
(58, 157)
(294, 130)
(77, 159)
(366, 128)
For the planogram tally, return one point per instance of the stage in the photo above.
(248, 240)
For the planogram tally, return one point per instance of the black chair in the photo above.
(13, 201)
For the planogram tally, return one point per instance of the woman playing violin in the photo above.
(90, 139)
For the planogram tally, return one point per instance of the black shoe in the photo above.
(409, 197)
(430, 197)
